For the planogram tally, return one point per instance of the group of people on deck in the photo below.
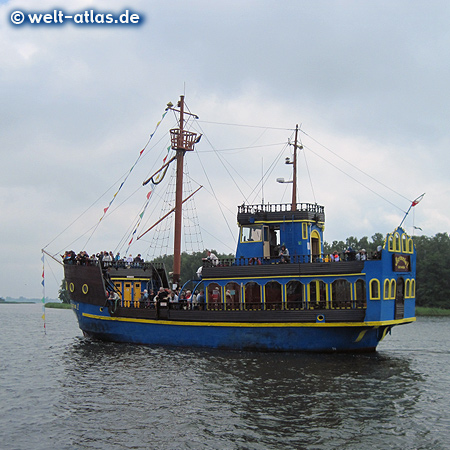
(178, 300)
(106, 258)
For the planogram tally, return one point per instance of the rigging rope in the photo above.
(105, 210)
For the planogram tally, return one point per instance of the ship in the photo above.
(279, 292)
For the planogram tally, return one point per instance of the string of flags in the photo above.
(153, 184)
(105, 210)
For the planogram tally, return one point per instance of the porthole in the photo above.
(71, 287)
(85, 288)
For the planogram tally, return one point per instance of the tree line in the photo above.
(432, 271)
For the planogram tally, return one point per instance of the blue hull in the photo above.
(317, 337)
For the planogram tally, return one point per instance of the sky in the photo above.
(367, 82)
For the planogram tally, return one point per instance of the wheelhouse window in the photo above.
(251, 234)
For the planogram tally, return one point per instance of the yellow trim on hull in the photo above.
(252, 325)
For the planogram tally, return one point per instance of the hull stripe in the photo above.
(251, 325)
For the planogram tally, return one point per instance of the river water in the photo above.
(61, 391)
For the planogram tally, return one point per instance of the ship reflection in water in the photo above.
(179, 398)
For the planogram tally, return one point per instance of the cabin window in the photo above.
(232, 296)
(251, 234)
(273, 295)
(410, 246)
(392, 289)
(386, 289)
(294, 295)
(341, 293)
(252, 295)
(213, 296)
(374, 289)
(360, 293)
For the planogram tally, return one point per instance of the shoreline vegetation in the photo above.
(420, 310)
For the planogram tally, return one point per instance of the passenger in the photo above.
(201, 300)
(173, 298)
(199, 272)
(284, 255)
(336, 256)
(194, 301)
(137, 261)
(212, 258)
(256, 261)
(144, 299)
(377, 254)
(129, 261)
(361, 255)
(188, 298)
(350, 254)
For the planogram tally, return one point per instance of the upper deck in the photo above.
(248, 214)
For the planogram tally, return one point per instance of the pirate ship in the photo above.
(305, 300)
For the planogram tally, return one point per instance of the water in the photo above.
(60, 391)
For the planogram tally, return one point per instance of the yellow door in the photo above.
(127, 294)
(137, 294)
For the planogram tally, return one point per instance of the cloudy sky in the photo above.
(367, 82)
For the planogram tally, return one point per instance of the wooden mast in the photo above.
(181, 142)
(178, 199)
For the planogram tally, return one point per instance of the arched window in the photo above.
(214, 297)
(272, 295)
(317, 297)
(374, 289)
(294, 295)
(232, 296)
(408, 288)
(252, 295)
(404, 243)
(413, 288)
(360, 294)
(392, 289)
(341, 294)
(391, 244)
(397, 242)
(410, 245)
(386, 287)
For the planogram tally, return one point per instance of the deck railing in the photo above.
(293, 259)
(280, 207)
